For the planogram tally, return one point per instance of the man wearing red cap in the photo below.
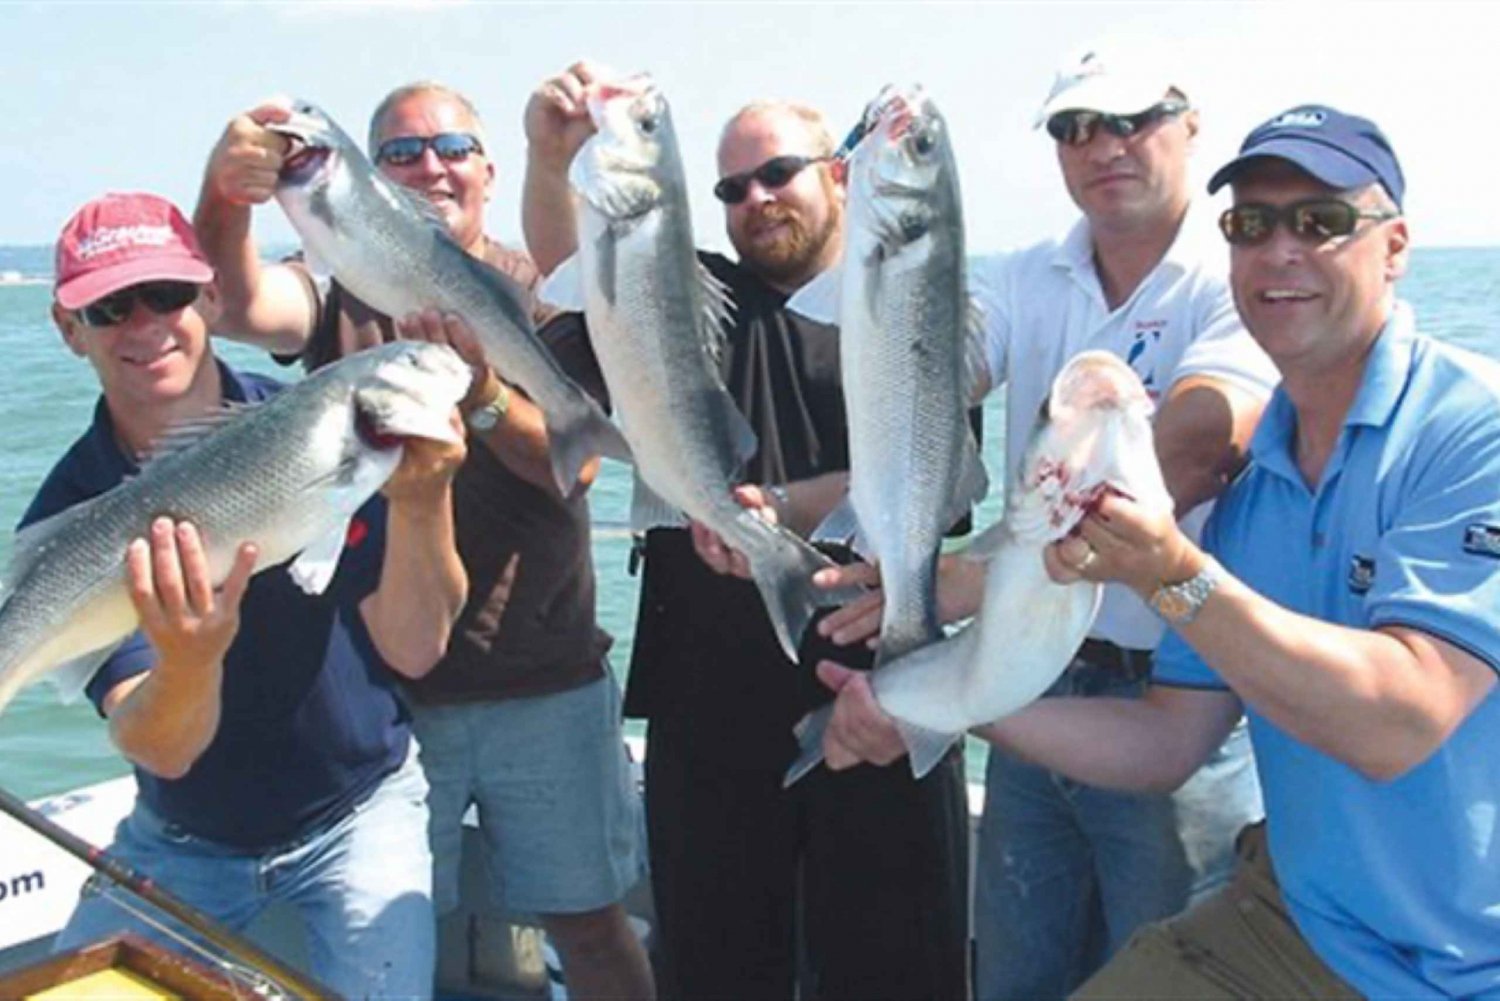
(273, 758)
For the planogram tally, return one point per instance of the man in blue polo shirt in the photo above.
(1353, 612)
(272, 756)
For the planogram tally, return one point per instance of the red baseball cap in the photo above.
(121, 240)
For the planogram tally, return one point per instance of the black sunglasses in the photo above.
(160, 297)
(1311, 221)
(1077, 128)
(774, 173)
(451, 147)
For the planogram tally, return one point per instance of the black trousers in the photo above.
(882, 861)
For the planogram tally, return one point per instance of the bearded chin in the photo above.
(792, 257)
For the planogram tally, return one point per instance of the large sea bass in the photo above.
(1096, 437)
(904, 344)
(387, 246)
(654, 319)
(287, 474)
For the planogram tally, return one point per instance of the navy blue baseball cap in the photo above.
(1341, 150)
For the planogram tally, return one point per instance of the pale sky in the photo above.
(122, 96)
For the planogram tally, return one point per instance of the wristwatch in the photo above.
(1180, 603)
(486, 417)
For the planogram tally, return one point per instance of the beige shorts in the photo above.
(1239, 943)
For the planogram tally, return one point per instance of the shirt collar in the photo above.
(1075, 254)
(1387, 368)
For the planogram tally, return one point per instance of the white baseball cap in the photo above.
(1108, 82)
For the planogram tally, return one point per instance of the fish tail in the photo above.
(809, 734)
(573, 443)
(783, 572)
(924, 747)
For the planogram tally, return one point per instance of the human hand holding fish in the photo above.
(1123, 540)
(245, 163)
(859, 730)
(719, 555)
(556, 119)
(188, 622)
(428, 465)
(437, 327)
(960, 588)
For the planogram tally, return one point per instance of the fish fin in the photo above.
(563, 288)
(841, 525)
(972, 484)
(315, 565)
(509, 294)
(648, 510)
(818, 300)
(976, 373)
(184, 434)
(924, 747)
(572, 445)
(71, 677)
(809, 732)
(717, 315)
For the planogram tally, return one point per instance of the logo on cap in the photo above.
(1305, 119)
(102, 241)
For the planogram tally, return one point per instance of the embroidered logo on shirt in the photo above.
(1361, 574)
(1483, 540)
(1147, 335)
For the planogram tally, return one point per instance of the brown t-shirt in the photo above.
(528, 627)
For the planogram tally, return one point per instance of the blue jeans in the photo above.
(1066, 872)
(362, 884)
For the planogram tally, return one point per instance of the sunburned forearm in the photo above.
(1381, 701)
(422, 587)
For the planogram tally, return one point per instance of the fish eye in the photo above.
(923, 143)
(648, 123)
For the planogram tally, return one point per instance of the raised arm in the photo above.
(164, 719)
(270, 306)
(1202, 435)
(557, 124)
(422, 582)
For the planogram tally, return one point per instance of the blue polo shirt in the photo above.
(310, 719)
(1396, 885)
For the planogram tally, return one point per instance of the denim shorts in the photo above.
(551, 786)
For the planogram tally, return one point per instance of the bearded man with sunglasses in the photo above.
(1346, 594)
(1066, 872)
(273, 756)
(521, 715)
(879, 857)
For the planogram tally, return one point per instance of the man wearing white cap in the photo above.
(1068, 871)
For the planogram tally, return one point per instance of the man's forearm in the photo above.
(166, 718)
(422, 586)
(548, 218)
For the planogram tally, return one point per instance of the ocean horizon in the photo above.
(47, 748)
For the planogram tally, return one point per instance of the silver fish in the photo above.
(287, 474)
(1096, 437)
(654, 319)
(907, 350)
(388, 246)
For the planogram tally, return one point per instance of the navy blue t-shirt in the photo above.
(310, 719)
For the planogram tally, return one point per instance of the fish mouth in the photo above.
(367, 427)
(303, 164)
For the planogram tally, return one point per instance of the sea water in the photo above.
(47, 396)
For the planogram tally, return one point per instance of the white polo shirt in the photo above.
(1044, 304)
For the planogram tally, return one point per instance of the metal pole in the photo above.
(295, 983)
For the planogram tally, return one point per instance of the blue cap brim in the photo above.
(1331, 166)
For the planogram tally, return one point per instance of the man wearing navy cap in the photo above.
(1351, 606)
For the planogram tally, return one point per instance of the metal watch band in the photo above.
(1180, 603)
